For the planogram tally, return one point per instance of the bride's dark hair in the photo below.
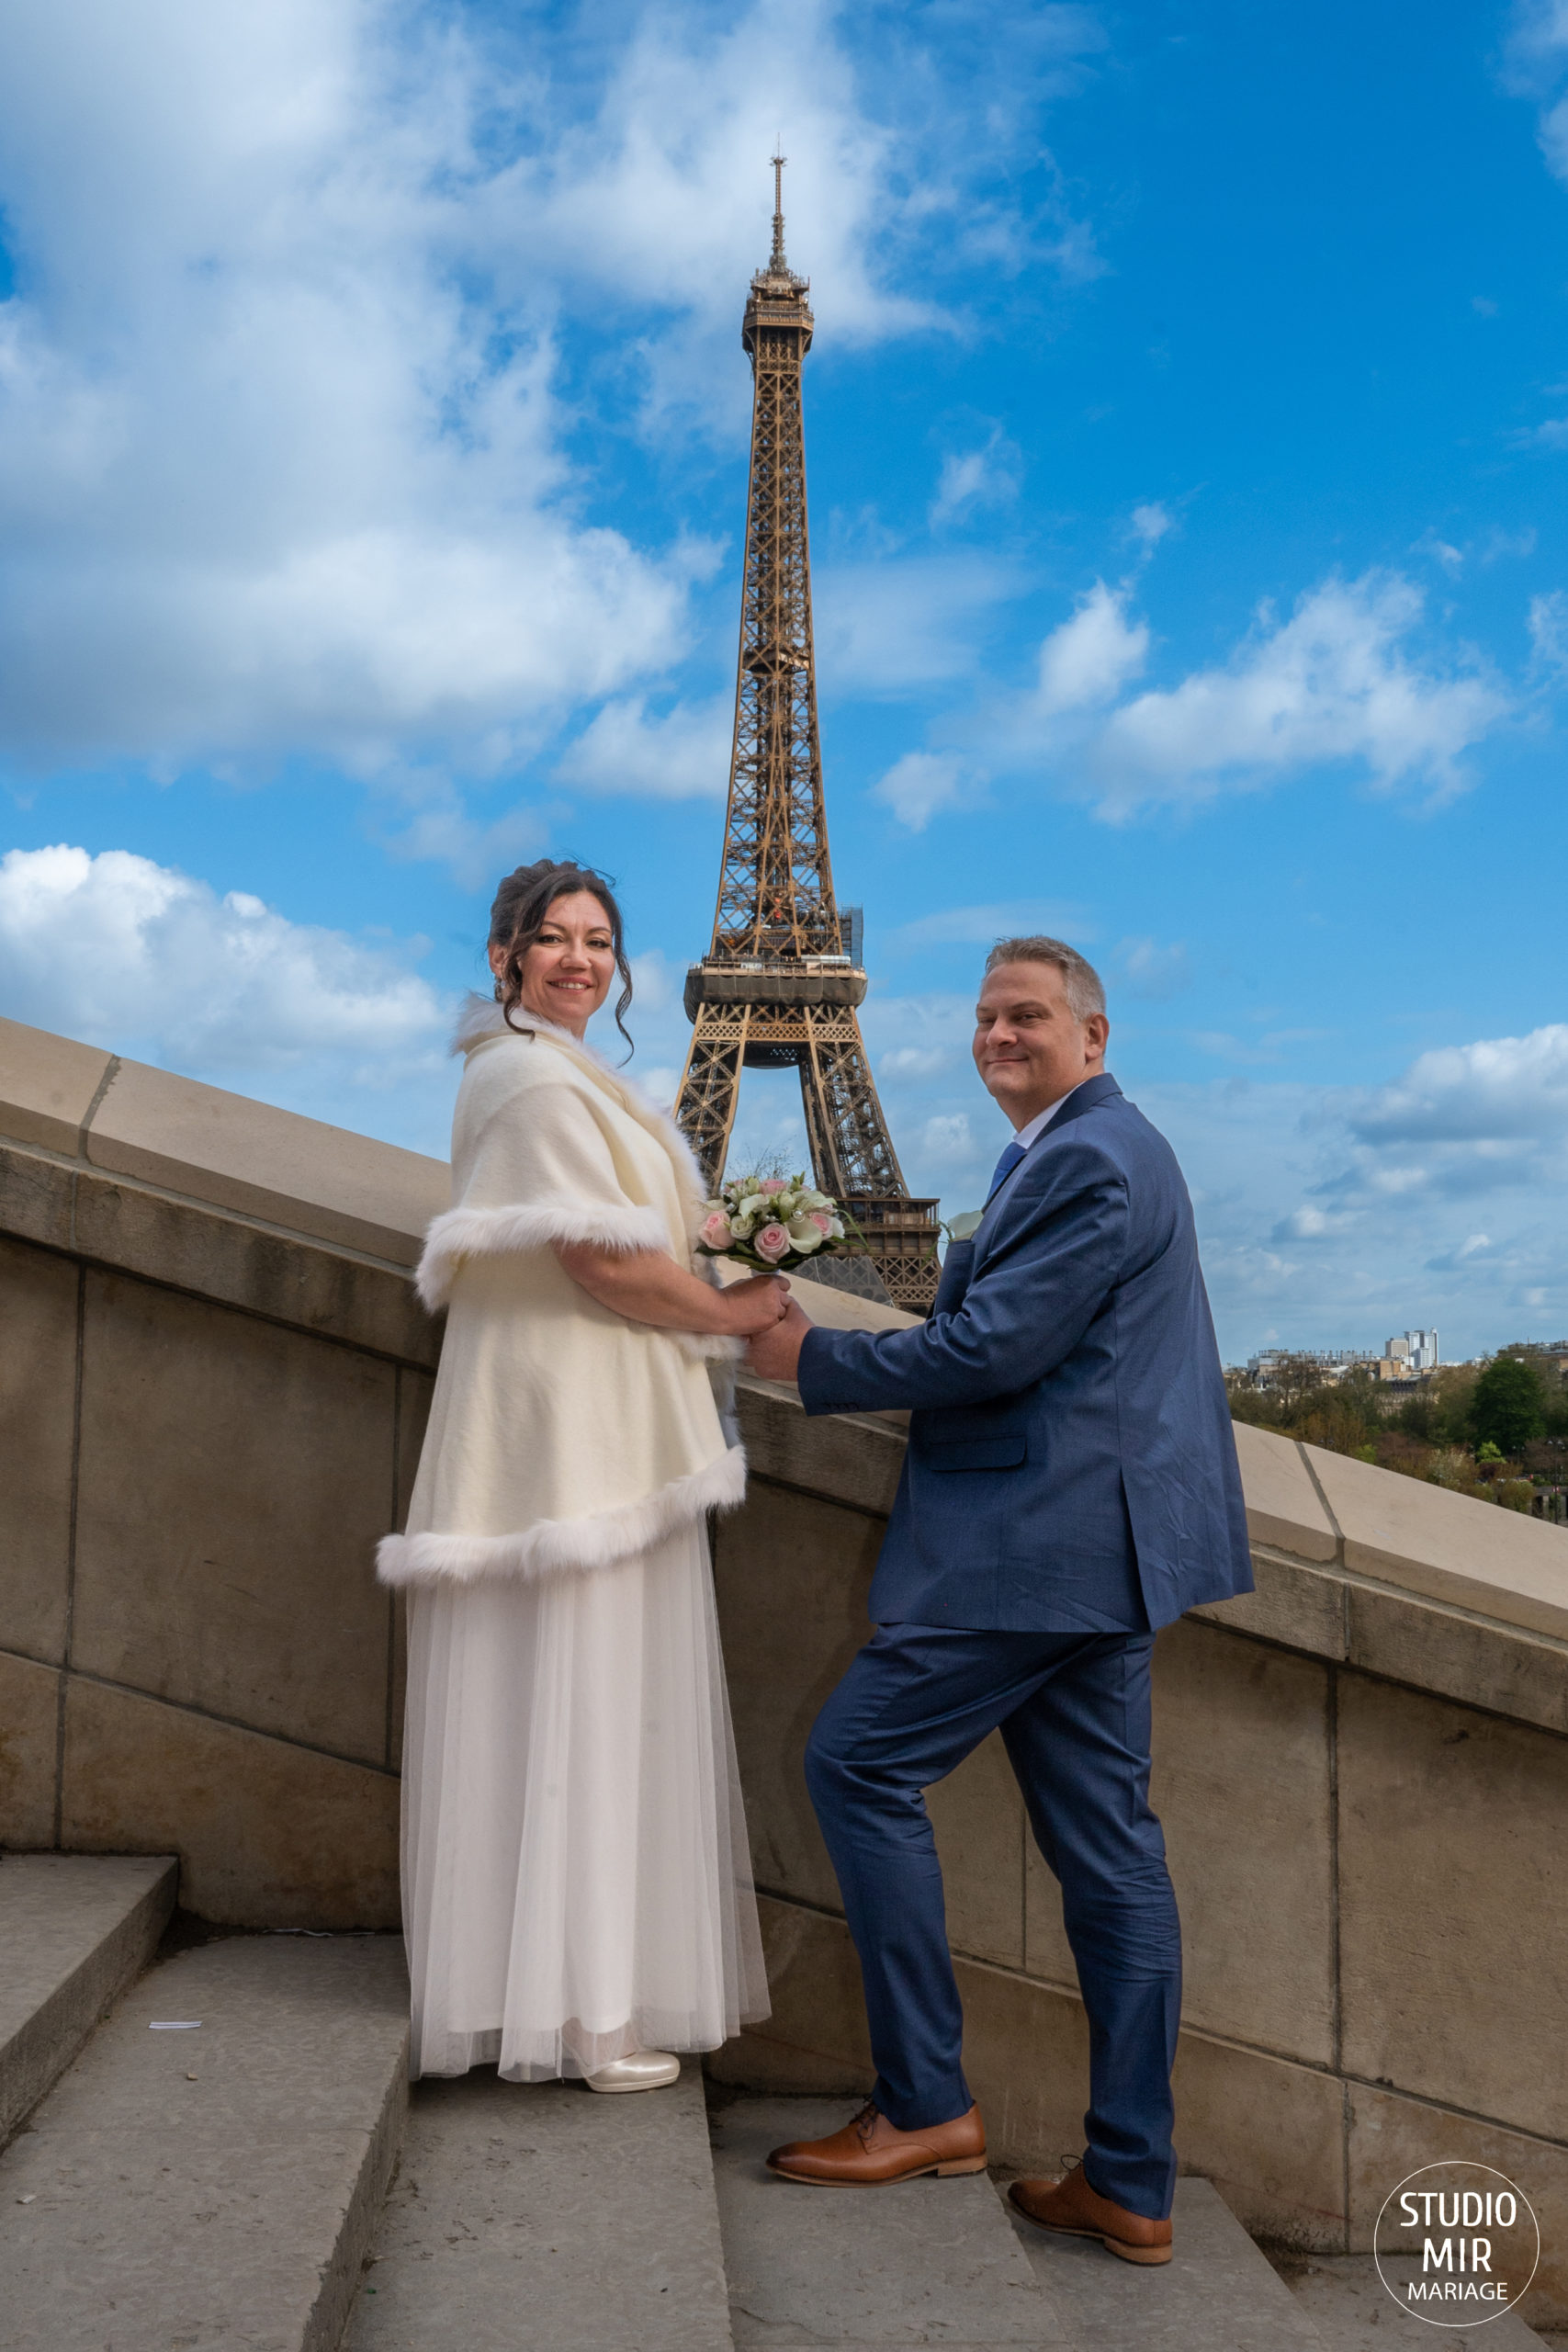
(520, 911)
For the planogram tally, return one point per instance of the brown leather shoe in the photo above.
(870, 2150)
(1072, 2205)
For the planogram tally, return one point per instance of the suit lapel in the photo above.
(1094, 1090)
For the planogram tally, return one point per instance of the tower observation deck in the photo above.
(779, 986)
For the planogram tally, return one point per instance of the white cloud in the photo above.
(908, 622)
(1343, 680)
(279, 465)
(946, 1143)
(1534, 61)
(1500, 544)
(1334, 683)
(919, 784)
(1474, 1245)
(982, 926)
(1319, 1238)
(441, 831)
(1549, 630)
(1441, 551)
(914, 1061)
(152, 963)
(1151, 523)
(680, 755)
(656, 983)
(1145, 969)
(284, 450)
(1500, 1090)
(1092, 656)
(974, 480)
(156, 965)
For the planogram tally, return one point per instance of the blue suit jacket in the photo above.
(1071, 1466)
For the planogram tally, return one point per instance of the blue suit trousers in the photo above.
(1073, 1709)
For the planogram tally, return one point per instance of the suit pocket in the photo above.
(976, 1453)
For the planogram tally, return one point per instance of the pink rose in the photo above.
(821, 1220)
(772, 1242)
(715, 1230)
(772, 1185)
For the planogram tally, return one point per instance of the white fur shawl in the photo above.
(561, 1436)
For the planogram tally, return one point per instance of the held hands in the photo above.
(755, 1306)
(775, 1354)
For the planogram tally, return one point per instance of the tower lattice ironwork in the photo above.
(782, 981)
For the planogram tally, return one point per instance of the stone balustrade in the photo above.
(213, 1388)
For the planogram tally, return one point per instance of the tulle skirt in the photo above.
(576, 1880)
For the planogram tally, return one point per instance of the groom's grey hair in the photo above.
(1080, 981)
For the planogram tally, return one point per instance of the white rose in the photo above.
(740, 1227)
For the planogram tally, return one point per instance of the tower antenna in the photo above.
(777, 262)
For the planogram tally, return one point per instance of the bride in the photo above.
(577, 1896)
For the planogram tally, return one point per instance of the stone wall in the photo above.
(212, 1392)
(212, 1388)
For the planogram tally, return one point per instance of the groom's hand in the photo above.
(775, 1353)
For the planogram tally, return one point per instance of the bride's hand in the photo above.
(755, 1304)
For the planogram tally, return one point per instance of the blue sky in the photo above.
(1187, 431)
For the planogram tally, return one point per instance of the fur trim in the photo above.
(555, 1547)
(478, 1017)
(492, 1233)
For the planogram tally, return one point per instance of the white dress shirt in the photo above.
(1042, 1119)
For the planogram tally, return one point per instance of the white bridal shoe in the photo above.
(641, 2070)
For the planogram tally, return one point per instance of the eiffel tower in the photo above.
(782, 981)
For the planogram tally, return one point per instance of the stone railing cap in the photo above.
(1283, 1507)
(47, 1085)
(208, 1145)
(1451, 1547)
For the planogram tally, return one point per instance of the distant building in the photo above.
(1329, 1365)
(1406, 1363)
(1412, 1358)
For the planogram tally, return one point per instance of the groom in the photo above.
(1070, 1486)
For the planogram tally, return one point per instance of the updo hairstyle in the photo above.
(519, 913)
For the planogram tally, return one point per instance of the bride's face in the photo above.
(568, 970)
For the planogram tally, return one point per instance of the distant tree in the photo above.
(1420, 1416)
(1439, 1412)
(1508, 1408)
(1455, 1390)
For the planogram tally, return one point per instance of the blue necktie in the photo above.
(1005, 1166)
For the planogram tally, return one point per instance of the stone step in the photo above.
(532, 2217)
(218, 2186)
(923, 2262)
(74, 1931)
(1345, 2301)
(1217, 2293)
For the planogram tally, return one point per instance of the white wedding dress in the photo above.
(576, 1885)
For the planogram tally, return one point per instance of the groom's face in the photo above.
(1029, 1046)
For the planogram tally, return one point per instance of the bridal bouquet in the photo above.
(773, 1224)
